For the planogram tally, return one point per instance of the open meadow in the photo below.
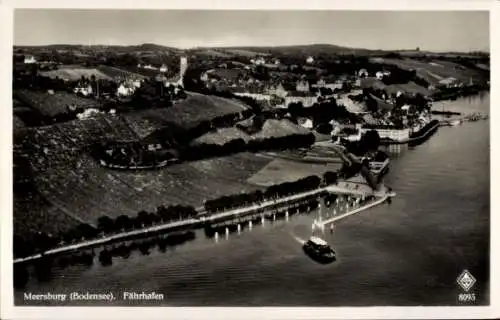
(435, 70)
(283, 170)
(53, 104)
(75, 73)
(271, 128)
(186, 113)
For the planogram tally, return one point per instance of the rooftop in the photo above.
(318, 241)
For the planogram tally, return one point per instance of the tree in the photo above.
(295, 109)
(123, 222)
(86, 231)
(330, 177)
(144, 218)
(105, 224)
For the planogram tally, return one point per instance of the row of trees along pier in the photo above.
(272, 192)
(41, 242)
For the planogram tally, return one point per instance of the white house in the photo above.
(381, 74)
(258, 61)
(88, 113)
(137, 83)
(302, 86)
(306, 100)
(29, 59)
(449, 82)
(84, 90)
(256, 96)
(277, 91)
(307, 123)
(309, 60)
(125, 90)
(163, 68)
(362, 73)
(204, 77)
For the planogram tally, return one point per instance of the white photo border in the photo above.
(8, 311)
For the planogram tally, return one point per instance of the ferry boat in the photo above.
(319, 250)
(453, 123)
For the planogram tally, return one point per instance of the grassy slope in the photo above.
(186, 113)
(271, 128)
(54, 104)
(433, 71)
(282, 170)
(74, 74)
(74, 187)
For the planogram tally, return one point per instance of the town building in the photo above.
(177, 80)
(381, 74)
(277, 90)
(84, 89)
(449, 82)
(256, 96)
(302, 86)
(306, 98)
(125, 89)
(28, 59)
(150, 67)
(362, 73)
(258, 61)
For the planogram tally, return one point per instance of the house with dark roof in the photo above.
(302, 86)
(306, 98)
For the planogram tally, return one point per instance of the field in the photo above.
(436, 70)
(271, 128)
(53, 104)
(75, 74)
(185, 113)
(85, 191)
(222, 136)
(34, 213)
(282, 170)
(211, 53)
(72, 187)
(120, 73)
(244, 53)
(409, 87)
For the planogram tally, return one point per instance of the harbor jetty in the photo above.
(476, 116)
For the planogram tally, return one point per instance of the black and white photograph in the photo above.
(250, 158)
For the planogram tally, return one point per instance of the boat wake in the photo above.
(298, 239)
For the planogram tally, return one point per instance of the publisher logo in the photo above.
(466, 281)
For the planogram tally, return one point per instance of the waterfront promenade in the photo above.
(361, 191)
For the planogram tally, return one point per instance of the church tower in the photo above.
(182, 69)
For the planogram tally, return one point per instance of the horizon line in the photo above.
(254, 46)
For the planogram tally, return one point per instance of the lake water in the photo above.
(406, 253)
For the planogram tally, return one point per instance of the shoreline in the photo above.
(194, 223)
(428, 132)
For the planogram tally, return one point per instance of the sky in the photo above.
(387, 30)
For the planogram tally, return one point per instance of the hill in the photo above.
(312, 49)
